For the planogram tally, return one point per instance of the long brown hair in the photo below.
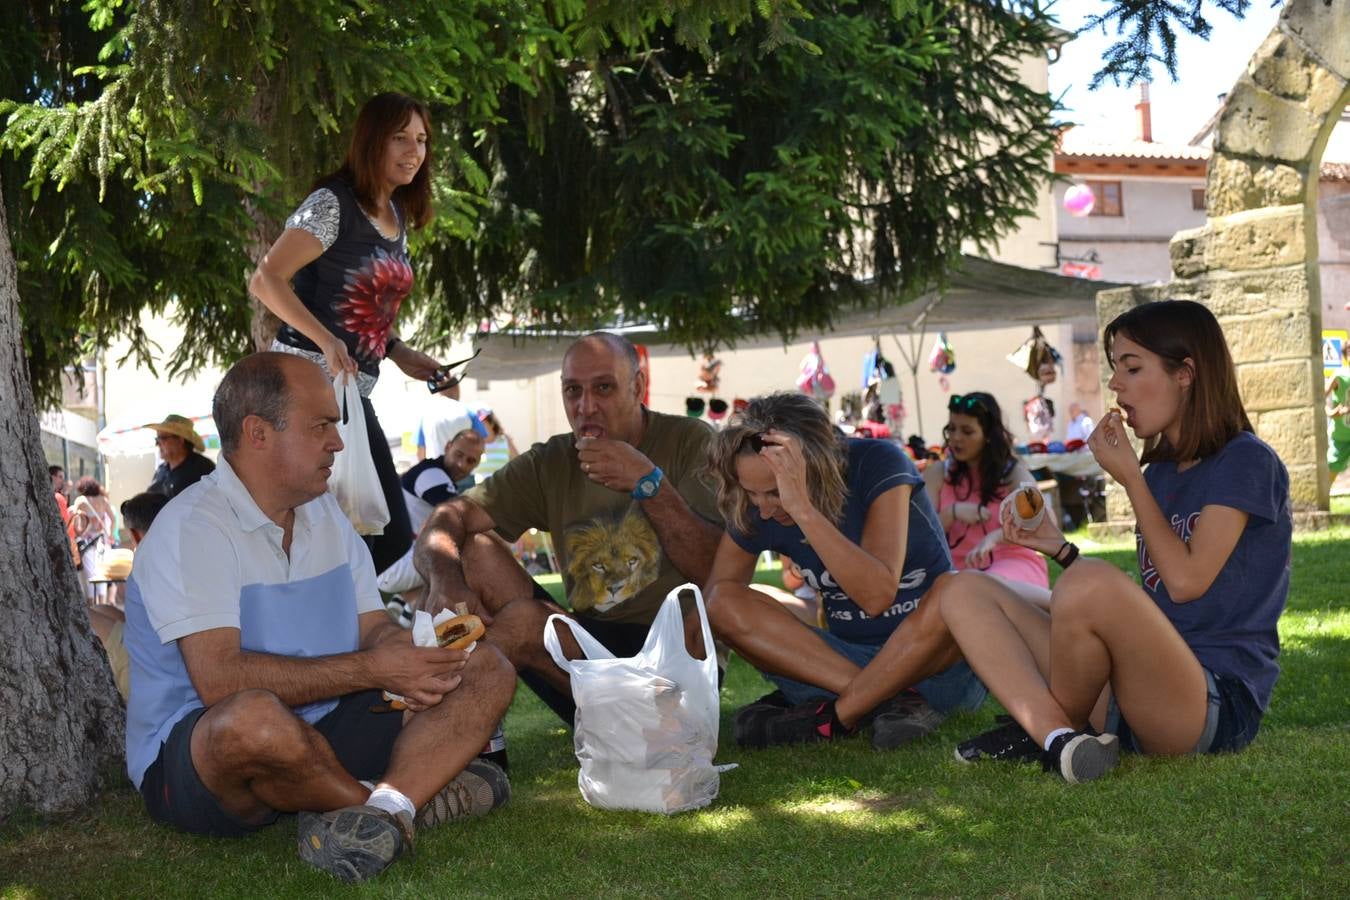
(996, 459)
(1178, 330)
(380, 118)
(825, 452)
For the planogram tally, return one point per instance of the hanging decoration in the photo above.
(709, 374)
(645, 367)
(883, 401)
(1034, 354)
(815, 379)
(1039, 412)
(943, 357)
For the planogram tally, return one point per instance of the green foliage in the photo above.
(157, 145)
(1148, 34)
(731, 191)
(717, 167)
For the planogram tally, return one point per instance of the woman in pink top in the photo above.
(979, 471)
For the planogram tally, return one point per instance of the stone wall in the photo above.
(1254, 262)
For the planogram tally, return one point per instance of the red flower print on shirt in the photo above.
(371, 300)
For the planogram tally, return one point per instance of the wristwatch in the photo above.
(648, 484)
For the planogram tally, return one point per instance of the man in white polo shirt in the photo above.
(259, 647)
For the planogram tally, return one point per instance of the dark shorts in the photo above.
(620, 638)
(175, 795)
(1231, 721)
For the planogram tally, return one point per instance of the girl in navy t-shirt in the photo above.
(853, 515)
(1184, 660)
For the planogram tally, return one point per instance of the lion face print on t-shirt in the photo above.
(609, 562)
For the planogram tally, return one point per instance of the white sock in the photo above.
(391, 801)
(368, 785)
(1050, 738)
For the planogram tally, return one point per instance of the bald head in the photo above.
(621, 348)
(603, 387)
(257, 385)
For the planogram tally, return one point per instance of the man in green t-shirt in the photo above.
(624, 497)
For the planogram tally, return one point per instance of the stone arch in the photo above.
(1254, 261)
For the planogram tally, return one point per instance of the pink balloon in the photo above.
(1078, 200)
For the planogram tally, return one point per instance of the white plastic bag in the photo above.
(355, 482)
(646, 727)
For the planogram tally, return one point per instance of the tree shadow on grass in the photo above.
(804, 821)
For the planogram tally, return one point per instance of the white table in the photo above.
(1080, 463)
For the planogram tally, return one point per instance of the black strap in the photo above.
(1066, 554)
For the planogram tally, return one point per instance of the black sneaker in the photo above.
(1079, 756)
(806, 724)
(747, 723)
(1008, 742)
(353, 843)
(903, 718)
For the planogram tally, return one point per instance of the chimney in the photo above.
(1145, 119)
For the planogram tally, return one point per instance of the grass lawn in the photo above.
(1274, 820)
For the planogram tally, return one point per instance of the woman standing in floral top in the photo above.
(339, 272)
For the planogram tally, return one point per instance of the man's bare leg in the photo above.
(255, 755)
(436, 744)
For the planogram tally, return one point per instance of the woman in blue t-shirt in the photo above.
(854, 517)
(1184, 660)
(339, 273)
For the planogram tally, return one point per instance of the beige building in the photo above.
(1145, 192)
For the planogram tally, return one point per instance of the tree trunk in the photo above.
(62, 724)
(268, 87)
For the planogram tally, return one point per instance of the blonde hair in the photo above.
(825, 452)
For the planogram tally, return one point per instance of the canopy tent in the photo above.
(981, 294)
(133, 437)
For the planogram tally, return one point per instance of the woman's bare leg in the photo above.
(922, 646)
(1005, 638)
(808, 611)
(773, 640)
(1104, 627)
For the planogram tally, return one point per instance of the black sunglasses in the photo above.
(442, 380)
(962, 403)
(755, 442)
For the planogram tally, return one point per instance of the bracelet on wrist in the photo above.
(390, 344)
(1066, 554)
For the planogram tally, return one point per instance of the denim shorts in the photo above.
(952, 689)
(1231, 720)
(174, 794)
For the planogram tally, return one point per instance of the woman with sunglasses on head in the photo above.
(852, 514)
(339, 272)
(1184, 660)
(980, 470)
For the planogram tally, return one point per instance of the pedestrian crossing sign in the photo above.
(1333, 352)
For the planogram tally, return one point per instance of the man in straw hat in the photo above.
(180, 448)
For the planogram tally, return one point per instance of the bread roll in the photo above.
(1029, 502)
(459, 632)
(1028, 506)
